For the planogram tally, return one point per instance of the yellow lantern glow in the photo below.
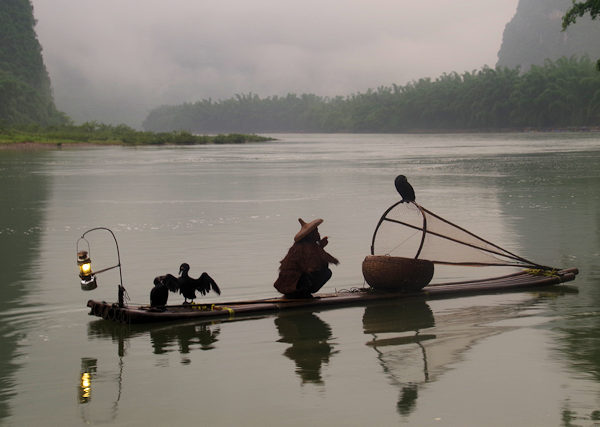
(86, 268)
(88, 372)
(88, 279)
(85, 387)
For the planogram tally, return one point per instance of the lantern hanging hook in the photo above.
(91, 279)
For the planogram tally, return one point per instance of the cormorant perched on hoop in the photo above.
(405, 189)
(188, 285)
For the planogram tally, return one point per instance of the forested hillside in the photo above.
(25, 92)
(559, 94)
(544, 79)
(535, 34)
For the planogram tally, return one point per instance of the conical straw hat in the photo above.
(307, 228)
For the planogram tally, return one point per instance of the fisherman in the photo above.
(305, 268)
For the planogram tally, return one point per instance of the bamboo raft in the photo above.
(523, 280)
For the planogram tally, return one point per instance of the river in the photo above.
(524, 358)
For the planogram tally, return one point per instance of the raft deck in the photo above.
(145, 314)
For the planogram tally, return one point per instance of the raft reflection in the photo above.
(401, 317)
(164, 338)
(411, 358)
(308, 336)
(187, 337)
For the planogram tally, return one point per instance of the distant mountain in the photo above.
(25, 92)
(534, 34)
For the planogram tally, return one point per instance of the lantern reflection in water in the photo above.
(88, 370)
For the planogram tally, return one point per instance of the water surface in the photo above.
(527, 358)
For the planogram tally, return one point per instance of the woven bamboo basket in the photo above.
(397, 274)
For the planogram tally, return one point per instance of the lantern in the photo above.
(88, 278)
(87, 275)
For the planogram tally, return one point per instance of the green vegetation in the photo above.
(580, 9)
(25, 93)
(96, 133)
(27, 110)
(560, 94)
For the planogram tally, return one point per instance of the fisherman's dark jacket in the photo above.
(303, 257)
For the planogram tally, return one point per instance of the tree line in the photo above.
(558, 94)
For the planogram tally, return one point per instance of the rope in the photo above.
(540, 272)
(125, 294)
(212, 307)
(222, 307)
(353, 290)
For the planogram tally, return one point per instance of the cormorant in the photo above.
(405, 189)
(188, 285)
(160, 292)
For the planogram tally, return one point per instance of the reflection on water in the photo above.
(166, 338)
(88, 373)
(181, 338)
(404, 316)
(556, 198)
(309, 337)
(414, 348)
(94, 380)
(23, 194)
(414, 345)
(187, 337)
(580, 340)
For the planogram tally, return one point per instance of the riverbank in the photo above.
(59, 145)
(94, 134)
(74, 137)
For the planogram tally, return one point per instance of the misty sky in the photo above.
(114, 60)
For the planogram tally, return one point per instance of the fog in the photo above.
(115, 60)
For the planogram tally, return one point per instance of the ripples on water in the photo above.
(232, 211)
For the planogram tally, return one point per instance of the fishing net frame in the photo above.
(503, 256)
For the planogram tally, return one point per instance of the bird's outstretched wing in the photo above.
(205, 283)
(169, 280)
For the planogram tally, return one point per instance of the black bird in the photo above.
(405, 189)
(188, 285)
(160, 292)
